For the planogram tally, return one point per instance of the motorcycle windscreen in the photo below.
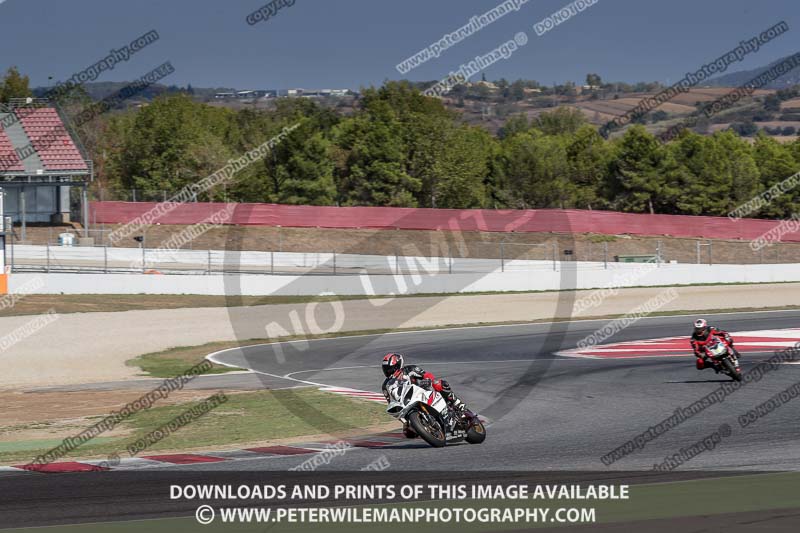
(717, 349)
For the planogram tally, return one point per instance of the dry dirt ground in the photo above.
(44, 415)
(34, 304)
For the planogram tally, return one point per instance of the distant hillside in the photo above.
(737, 79)
(100, 90)
(491, 104)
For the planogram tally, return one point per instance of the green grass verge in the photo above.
(36, 445)
(245, 418)
(175, 361)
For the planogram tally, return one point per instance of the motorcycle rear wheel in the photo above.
(428, 428)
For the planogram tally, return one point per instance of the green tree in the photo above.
(304, 170)
(516, 124)
(772, 103)
(517, 90)
(300, 169)
(398, 147)
(710, 175)
(594, 80)
(745, 129)
(459, 174)
(536, 171)
(794, 149)
(776, 163)
(743, 176)
(172, 143)
(589, 157)
(564, 120)
(636, 181)
(376, 156)
(14, 85)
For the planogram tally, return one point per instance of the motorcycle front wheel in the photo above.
(428, 428)
(476, 433)
(730, 368)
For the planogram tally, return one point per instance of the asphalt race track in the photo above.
(550, 412)
(552, 418)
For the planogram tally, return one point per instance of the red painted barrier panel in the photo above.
(523, 221)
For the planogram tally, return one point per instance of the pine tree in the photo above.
(776, 163)
(636, 181)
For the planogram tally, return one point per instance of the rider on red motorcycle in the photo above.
(393, 367)
(702, 334)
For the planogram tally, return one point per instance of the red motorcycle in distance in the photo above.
(724, 356)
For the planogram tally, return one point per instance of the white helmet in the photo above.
(700, 325)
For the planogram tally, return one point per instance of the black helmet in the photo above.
(392, 362)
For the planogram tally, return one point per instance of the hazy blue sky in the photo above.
(352, 43)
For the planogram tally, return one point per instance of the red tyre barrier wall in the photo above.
(523, 221)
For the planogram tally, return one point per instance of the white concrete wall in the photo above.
(200, 261)
(568, 276)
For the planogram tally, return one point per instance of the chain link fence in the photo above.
(305, 251)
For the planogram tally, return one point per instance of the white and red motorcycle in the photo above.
(429, 415)
(723, 355)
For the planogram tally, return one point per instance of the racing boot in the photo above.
(736, 355)
(451, 420)
(457, 408)
(703, 363)
(457, 404)
(409, 432)
(733, 350)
